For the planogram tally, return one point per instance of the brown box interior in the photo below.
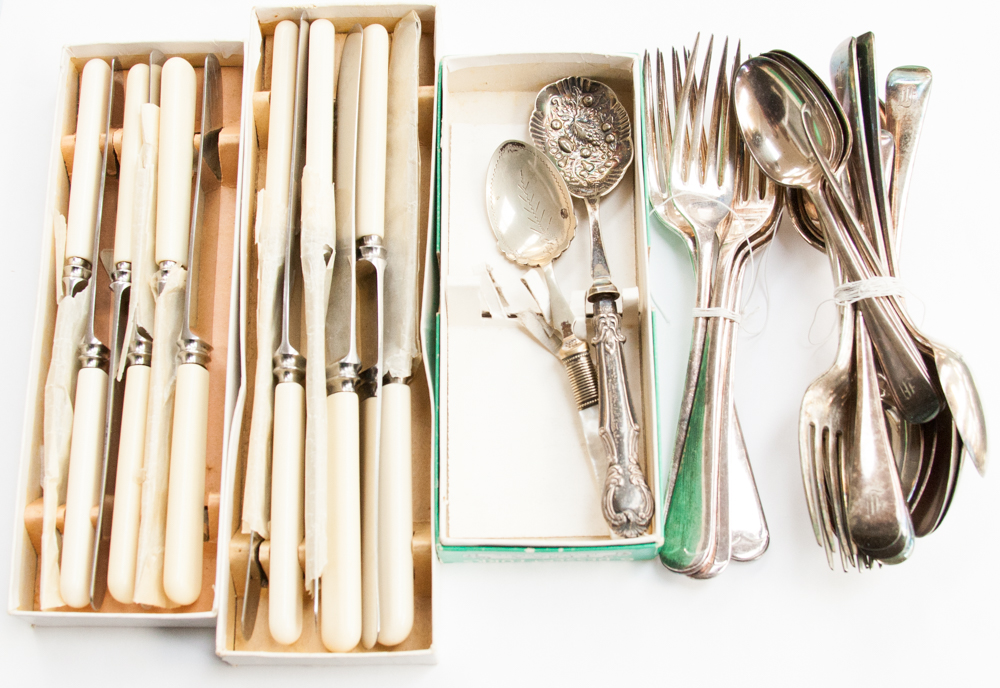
(256, 162)
(215, 273)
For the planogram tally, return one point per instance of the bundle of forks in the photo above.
(874, 479)
(705, 186)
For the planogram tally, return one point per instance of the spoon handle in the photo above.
(627, 502)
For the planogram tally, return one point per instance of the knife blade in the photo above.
(401, 349)
(340, 583)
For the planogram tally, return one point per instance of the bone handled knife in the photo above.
(285, 583)
(182, 556)
(175, 162)
(126, 486)
(340, 583)
(88, 438)
(136, 94)
(369, 230)
(270, 259)
(401, 350)
(318, 238)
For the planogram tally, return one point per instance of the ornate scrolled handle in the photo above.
(627, 502)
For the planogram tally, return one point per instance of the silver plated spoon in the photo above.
(582, 126)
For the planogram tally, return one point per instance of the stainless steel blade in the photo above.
(341, 332)
(208, 174)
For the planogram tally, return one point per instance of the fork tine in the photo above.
(720, 103)
(677, 78)
(661, 99)
(677, 154)
(650, 125)
(702, 94)
(819, 444)
(501, 299)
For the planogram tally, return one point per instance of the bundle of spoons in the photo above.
(882, 432)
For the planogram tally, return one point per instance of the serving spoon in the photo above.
(584, 128)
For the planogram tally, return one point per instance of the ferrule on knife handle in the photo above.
(287, 527)
(183, 549)
(90, 409)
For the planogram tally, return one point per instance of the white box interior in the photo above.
(513, 467)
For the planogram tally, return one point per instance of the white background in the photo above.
(783, 619)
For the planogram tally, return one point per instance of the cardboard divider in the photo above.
(261, 648)
(528, 491)
(215, 306)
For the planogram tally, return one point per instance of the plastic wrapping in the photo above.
(156, 463)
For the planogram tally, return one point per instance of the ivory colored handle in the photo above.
(136, 95)
(372, 114)
(340, 597)
(128, 485)
(279, 125)
(82, 486)
(182, 553)
(176, 160)
(90, 123)
(319, 115)
(369, 525)
(395, 520)
(285, 583)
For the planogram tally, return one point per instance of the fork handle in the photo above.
(627, 502)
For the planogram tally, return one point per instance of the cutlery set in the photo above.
(323, 499)
(585, 132)
(132, 453)
(328, 467)
(882, 433)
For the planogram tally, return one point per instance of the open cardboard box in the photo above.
(515, 482)
(216, 324)
(261, 648)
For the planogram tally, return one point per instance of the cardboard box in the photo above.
(216, 296)
(261, 648)
(514, 480)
